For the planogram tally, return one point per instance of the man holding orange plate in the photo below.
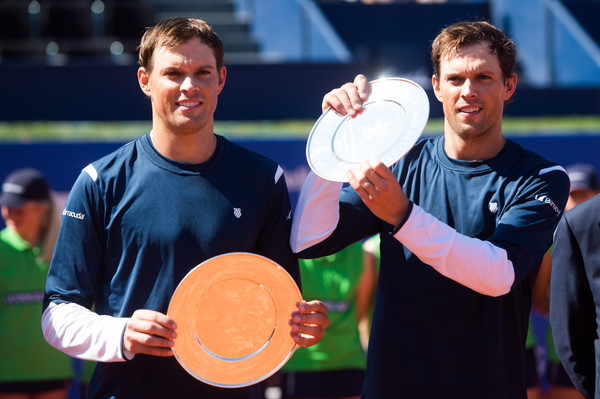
(139, 219)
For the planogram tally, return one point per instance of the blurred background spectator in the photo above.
(29, 367)
(335, 367)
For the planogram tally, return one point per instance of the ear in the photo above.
(436, 87)
(144, 81)
(222, 76)
(510, 85)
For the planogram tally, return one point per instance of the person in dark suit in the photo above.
(584, 185)
(575, 295)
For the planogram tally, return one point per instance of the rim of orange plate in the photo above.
(232, 314)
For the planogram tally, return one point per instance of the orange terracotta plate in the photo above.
(232, 315)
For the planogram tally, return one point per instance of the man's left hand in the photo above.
(309, 322)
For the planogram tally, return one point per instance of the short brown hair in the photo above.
(175, 31)
(463, 34)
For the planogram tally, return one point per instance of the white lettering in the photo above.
(73, 214)
(546, 200)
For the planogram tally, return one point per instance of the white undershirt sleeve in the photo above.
(317, 212)
(83, 334)
(474, 263)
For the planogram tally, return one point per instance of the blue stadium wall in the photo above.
(252, 92)
(62, 162)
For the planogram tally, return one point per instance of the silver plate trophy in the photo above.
(392, 121)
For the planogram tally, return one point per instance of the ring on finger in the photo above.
(366, 184)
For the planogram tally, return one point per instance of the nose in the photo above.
(189, 84)
(468, 89)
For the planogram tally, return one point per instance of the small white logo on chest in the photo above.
(237, 212)
(493, 207)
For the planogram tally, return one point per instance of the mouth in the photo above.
(188, 104)
(469, 110)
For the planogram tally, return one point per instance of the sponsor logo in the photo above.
(237, 212)
(337, 306)
(73, 214)
(546, 200)
(23, 298)
(493, 207)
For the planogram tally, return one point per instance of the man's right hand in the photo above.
(149, 332)
(348, 99)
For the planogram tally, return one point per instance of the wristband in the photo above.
(408, 211)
